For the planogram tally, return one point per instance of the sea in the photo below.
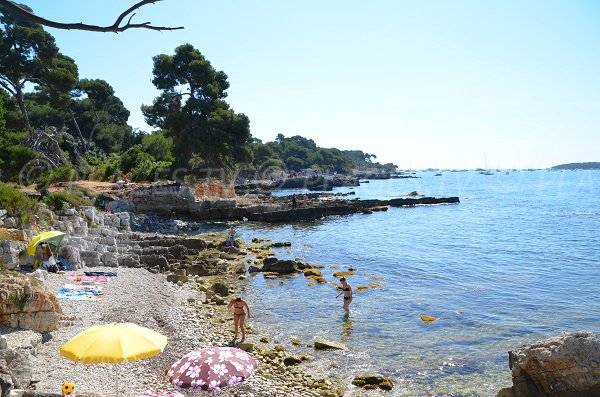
(516, 261)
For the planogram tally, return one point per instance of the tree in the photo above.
(28, 54)
(25, 13)
(98, 116)
(191, 109)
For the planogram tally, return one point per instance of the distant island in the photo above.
(578, 166)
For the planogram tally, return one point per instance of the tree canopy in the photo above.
(55, 126)
(191, 109)
(298, 153)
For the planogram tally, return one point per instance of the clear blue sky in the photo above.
(421, 84)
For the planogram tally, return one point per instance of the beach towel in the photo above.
(106, 274)
(80, 292)
(88, 279)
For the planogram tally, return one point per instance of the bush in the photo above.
(158, 146)
(18, 204)
(107, 170)
(141, 166)
(60, 174)
(66, 198)
(13, 155)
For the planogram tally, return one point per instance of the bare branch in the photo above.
(13, 8)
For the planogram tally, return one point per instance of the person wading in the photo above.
(240, 309)
(347, 292)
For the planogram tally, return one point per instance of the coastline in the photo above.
(148, 299)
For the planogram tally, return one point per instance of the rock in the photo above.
(154, 261)
(291, 360)
(279, 245)
(13, 234)
(10, 251)
(247, 346)
(563, 366)
(27, 306)
(321, 343)
(220, 288)
(506, 392)
(198, 270)
(16, 393)
(279, 266)
(373, 382)
(178, 251)
(177, 278)
(313, 272)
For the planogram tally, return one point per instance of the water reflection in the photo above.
(346, 328)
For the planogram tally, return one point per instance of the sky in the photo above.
(421, 84)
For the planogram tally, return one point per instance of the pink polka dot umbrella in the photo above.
(212, 368)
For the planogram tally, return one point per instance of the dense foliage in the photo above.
(191, 109)
(297, 153)
(17, 204)
(56, 127)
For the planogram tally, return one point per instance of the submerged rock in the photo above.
(373, 382)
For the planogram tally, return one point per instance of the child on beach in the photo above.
(347, 292)
(240, 309)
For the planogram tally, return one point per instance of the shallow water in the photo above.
(514, 262)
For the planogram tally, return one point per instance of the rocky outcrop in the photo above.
(275, 265)
(25, 305)
(17, 352)
(563, 366)
(10, 251)
(179, 200)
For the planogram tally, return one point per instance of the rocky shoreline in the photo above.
(179, 286)
(177, 311)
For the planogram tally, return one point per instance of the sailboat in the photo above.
(486, 171)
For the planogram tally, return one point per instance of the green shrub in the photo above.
(66, 198)
(18, 204)
(107, 170)
(13, 155)
(60, 174)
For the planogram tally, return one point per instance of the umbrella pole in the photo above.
(117, 379)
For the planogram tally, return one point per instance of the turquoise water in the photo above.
(516, 261)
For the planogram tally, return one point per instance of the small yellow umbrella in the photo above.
(113, 343)
(52, 237)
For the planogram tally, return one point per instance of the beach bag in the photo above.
(63, 264)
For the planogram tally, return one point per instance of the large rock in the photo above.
(563, 366)
(279, 266)
(10, 250)
(321, 343)
(25, 305)
(373, 382)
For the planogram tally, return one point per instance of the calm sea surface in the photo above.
(516, 261)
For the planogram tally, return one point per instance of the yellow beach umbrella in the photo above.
(53, 237)
(113, 343)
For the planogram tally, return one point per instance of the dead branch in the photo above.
(13, 8)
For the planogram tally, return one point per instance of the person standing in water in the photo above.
(347, 292)
(240, 309)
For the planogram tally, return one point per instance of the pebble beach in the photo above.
(149, 300)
